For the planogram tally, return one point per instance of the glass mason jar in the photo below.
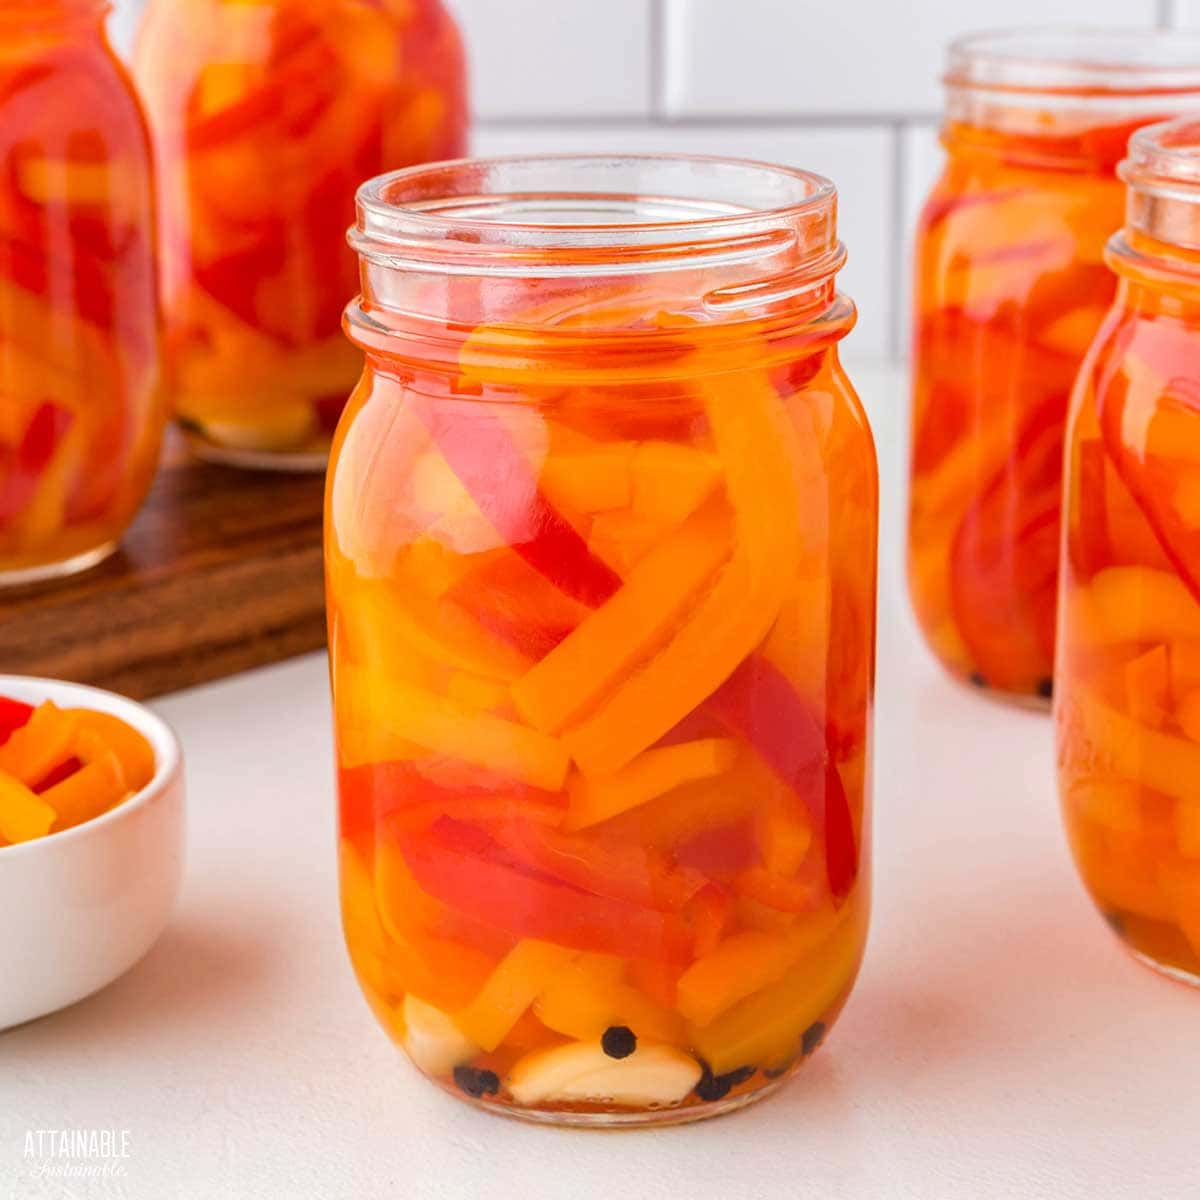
(1128, 704)
(81, 411)
(601, 549)
(266, 118)
(1010, 288)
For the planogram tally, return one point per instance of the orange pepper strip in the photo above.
(745, 962)
(528, 968)
(89, 793)
(760, 453)
(650, 775)
(1147, 687)
(23, 816)
(134, 752)
(39, 745)
(610, 641)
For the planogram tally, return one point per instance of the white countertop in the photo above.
(999, 1043)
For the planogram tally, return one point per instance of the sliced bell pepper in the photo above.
(87, 793)
(400, 710)
(467, 870)
(1148, 686)
(23, 816)
(501, 481)
(97, 733)
(527, 970)
(21, 469)
(1154, 464)
(759, 704)
(653, 773)
(13, 714)
(658, 593)
(40, 745)
(760, 453)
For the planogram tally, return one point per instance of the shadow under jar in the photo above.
(1010, 289)
(1128, 705)
(266, 117)
(81, 411)
(601, 557)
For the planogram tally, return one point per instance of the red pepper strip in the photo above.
(13, 714)
(464, 868)
(758, 704)
(505, 487)
(370, 793)
(63, 771)
(629, 873)
(21, 470)
(1151, 480)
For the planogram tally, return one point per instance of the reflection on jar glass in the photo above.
(1010, 289)
(266, 118)
(600, 549)
(1129, 627)
(80, 403)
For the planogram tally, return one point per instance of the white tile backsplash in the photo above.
(857, 160)
(847, 88)
(783, 57)
(559, 58)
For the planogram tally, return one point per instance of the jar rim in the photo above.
(591, 213)
(1165, 158)
(1076, 61)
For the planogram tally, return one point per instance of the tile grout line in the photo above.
(658, 61)
(1167, 14)
(623, 121)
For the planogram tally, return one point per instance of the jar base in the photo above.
(48, 572)
(1179, 974)
(652, 1119)
(1028, 700)
(307, 463)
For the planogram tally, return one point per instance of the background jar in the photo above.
(1010, 288)
(1128, 706)
(601, 552)
(266, 118)
(80, 404)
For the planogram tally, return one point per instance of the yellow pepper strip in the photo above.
(652, 774)
(400, 711)
(1139, 604)
(23, 816)
(89, 793)
(766, 1028)
(40, 745)
(473, 692)
(620, 540)
(523, 974)
(762, 458)
(743, 963)
(670, 482)
(595, 482)
(590, 996)
(610, 641)
(1107, 740)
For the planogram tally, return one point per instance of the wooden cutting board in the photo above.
(220, 572)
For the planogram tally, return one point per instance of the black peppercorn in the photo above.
(1045, 689)
(814, 1035)
(717, 1087)
(619, 1041)
(476, 1082)
(978, 680)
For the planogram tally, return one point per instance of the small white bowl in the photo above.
(79, 908)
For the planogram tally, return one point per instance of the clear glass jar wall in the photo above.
(1010, 289)
(601, 576)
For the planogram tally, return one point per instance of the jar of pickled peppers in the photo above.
(81, 411)
(601, 557)
(266, 117)
(1010, 289)
(1128, 671)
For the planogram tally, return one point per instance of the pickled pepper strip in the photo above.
(502, 483)
(464, 868)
